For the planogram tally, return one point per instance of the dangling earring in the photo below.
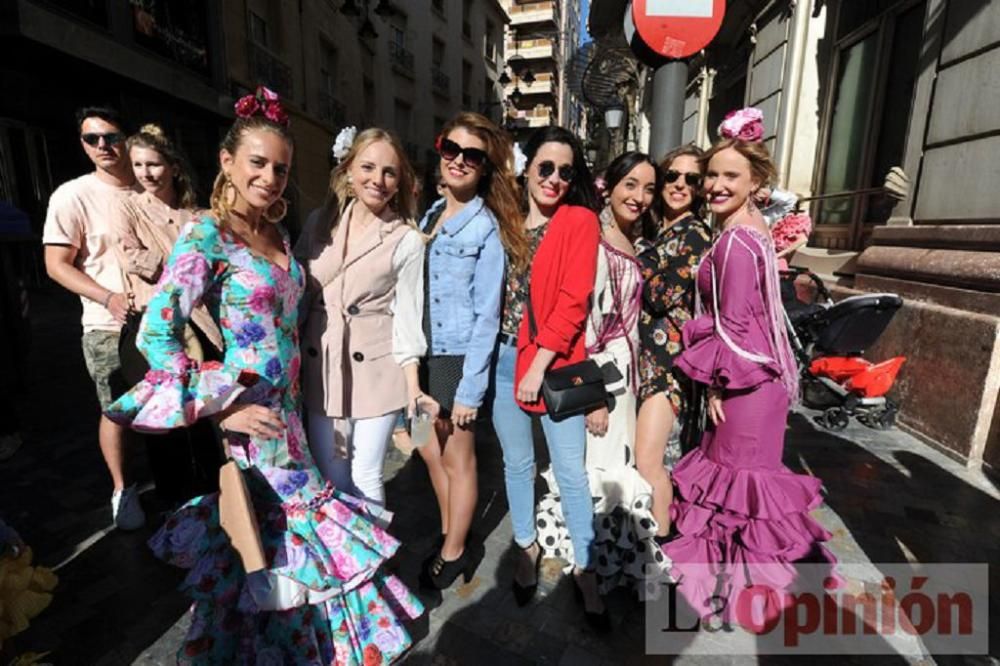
(229, 193)
(350, 187)
(273, 216)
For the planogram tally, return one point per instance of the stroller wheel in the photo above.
(834, 418)
(883, 419)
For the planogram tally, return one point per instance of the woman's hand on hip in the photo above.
(715, 407)
(254, 420)
(463, 416)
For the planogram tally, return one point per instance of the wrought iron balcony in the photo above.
(331, 110)
(400, 57)
(440, 81)
(266, 69)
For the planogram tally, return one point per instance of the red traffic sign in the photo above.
(677, 28)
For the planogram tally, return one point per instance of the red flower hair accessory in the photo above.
(264, 102)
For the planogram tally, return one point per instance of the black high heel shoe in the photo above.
(599, 622)
(439, 573)
(523, 594)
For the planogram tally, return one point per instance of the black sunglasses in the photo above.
(111, 138)
(474, 157)
(692, 179)
(547, 168)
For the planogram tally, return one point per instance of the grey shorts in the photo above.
(100, 353)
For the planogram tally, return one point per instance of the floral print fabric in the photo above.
(322, 599)
(668, 302)
(516, 294)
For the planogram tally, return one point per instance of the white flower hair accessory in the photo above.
(342, 144)
(520, 160)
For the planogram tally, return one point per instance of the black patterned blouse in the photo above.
(667, 301)
(516, 291)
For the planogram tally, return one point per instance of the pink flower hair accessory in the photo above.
(264, 102)
(746, 124)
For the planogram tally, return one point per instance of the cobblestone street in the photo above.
(889, 498)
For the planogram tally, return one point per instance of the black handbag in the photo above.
(571, 389)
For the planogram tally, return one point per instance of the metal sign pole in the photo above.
(667, 115)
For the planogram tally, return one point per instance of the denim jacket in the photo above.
(466, 269)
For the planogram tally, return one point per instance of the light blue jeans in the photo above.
(567, 442)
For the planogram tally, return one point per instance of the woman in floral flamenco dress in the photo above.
(741, 516)
(321, 599)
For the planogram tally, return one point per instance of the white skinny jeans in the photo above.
(350, 453)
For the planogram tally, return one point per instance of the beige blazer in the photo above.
(348, 366)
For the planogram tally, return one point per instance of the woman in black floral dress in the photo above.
(668, 256)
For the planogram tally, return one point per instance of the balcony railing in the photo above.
(440, 81)
(400, 57)
(266, 69)
(331, 110)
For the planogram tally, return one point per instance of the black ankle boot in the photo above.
(439, 573)
(523, 594)
(599, 622)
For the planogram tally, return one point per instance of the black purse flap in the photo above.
(570, 376)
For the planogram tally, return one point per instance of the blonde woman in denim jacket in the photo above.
(468, 231)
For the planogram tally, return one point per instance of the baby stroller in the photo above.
(828, 339)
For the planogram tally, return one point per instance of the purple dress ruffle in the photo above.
(741, 516)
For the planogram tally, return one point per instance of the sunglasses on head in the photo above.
(547, 168)
(692, 179)
(450, 150)
(110, 138)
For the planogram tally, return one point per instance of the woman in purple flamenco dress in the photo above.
(742, 518)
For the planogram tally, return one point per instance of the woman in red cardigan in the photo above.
(564, 234)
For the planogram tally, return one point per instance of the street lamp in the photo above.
(528, 77)
(613, 116)
(515, 96)
(503, 79)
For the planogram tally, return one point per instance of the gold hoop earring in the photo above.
(229, 193)
(275, 217)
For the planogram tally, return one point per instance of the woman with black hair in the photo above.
(626, 552)
(564, 234)
(668, 253)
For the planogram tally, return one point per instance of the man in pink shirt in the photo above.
(79, 255)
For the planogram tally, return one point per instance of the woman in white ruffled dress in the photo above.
(626, 553)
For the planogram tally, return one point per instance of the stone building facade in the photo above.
(406, 66)
(849, 90)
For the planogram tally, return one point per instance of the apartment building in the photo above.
(542, 36)
(406, 66)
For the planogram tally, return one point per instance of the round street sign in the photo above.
(677, 28)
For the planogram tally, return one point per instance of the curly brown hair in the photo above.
(498, 185)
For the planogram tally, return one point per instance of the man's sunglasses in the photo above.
(547, 168)
(110, 139)
(450, 150)
(692, 179)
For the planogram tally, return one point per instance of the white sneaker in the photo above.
(125, 509)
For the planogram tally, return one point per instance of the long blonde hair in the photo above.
(339, 195)
(153, 137)
(230, 143)
(498, 185)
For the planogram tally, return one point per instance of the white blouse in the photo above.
(408, 341)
